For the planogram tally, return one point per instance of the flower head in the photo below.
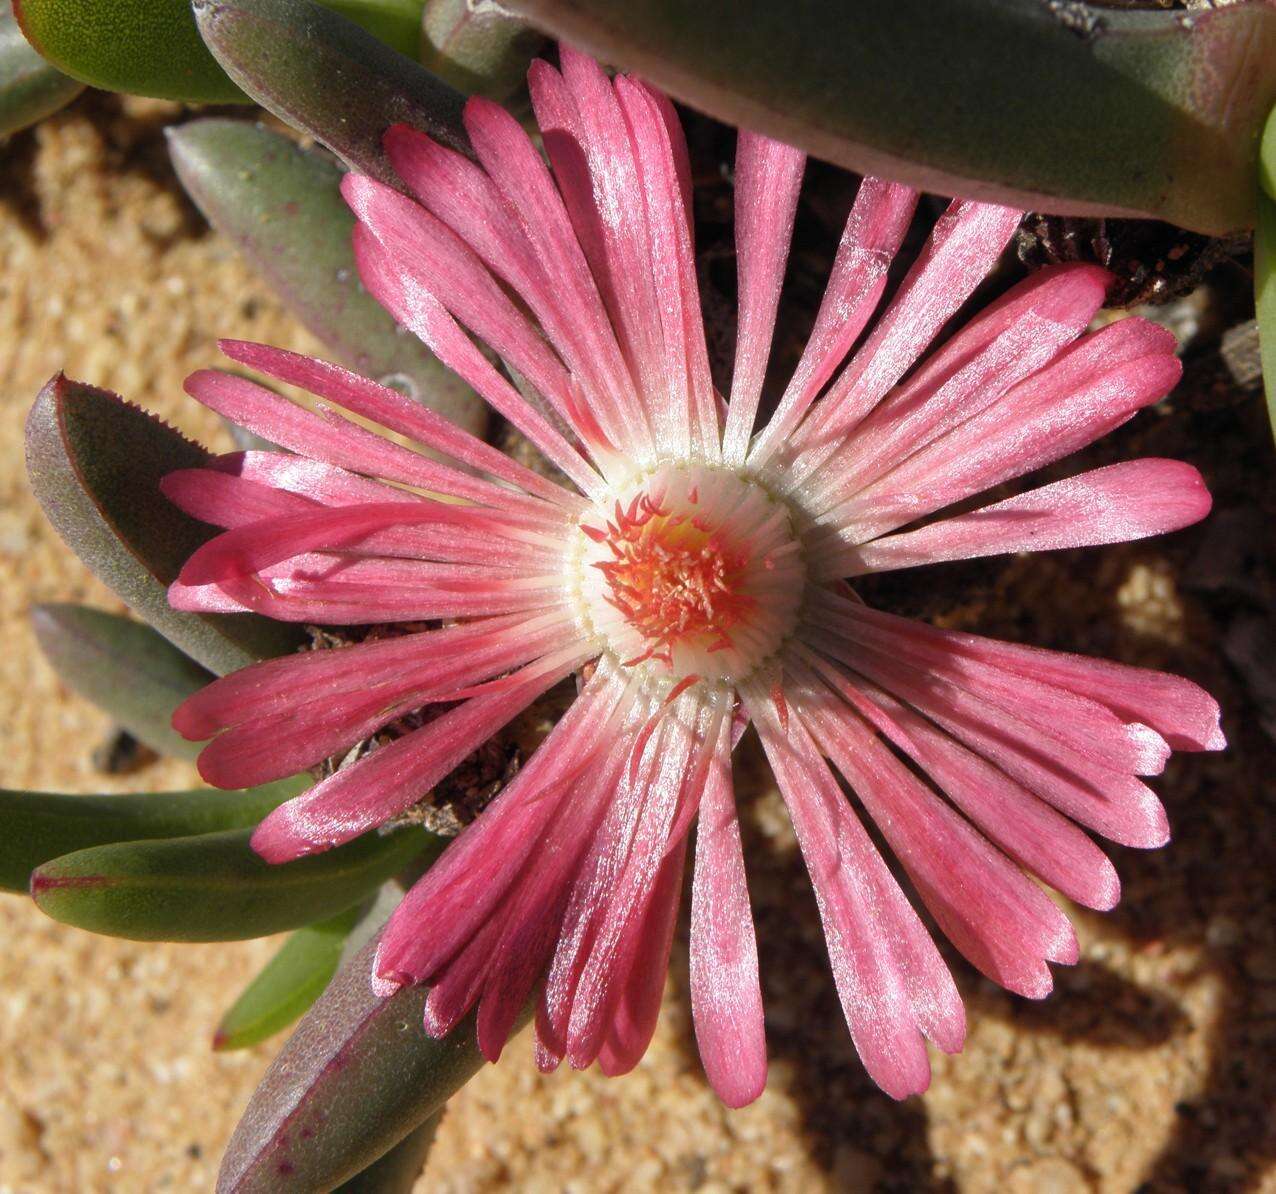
(693, 569)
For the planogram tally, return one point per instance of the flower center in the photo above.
(690, 572)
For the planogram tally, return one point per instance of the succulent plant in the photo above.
(1082, 110)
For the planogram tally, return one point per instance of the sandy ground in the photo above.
(1151, 1068)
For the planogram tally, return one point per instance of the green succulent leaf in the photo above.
(214, 887)
(1066, 108)
(280, 206)
(41, 826)
(397, 1171)
(355, 1078)
(152, 47)
(144, 47)
(327, 77)
(95, 463)
(288, 984)
(124, 667)
(477, 52)
(30, 89)
(1265, 264)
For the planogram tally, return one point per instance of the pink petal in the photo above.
(523, 179)
(1092, 388)
(456, 989)
(874, 231)
(337, 441)
(391, 779)
(278, 738)
(963, 246)
(333, 595)
(898, 648)
(588, 144)
(603, 863)
(726, 994)
(533, 913)
(225, 500)
(474, 873)
(395, 411)
(469, 202)
(1007, 342)
(1181, 711)
(613, 941)
(673, 260)
(251, 548)
(1115, 504)
(892, 982)
(768, 175)
(1115, 804)
(1029, 830)
(416, 309)
(441, 263)
(1001, 921)
(633, 1020)
(272, 686)
(322, 483)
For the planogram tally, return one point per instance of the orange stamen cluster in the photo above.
(672, 576)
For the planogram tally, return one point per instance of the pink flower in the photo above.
(694, 573)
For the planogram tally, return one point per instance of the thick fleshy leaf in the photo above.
(41, 826)
(397, 1171)
(144, 47)
(124, 667)
(30, 89)
(281, 207)
(152, 47)
(1059, 107)
(478, 52)
(213, 887)
(327, 77)
(1265, 264)
(355, 1078)
(95, 463)
(288, 984)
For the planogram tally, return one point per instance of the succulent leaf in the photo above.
(1064, 108)
(30, 89)
(95, 463)
(397, 1171)
(124, 667)
(42, 826)
(144, 48)
(478, 51)
(214, 887)
(152, 47)
(288, 984)
(280, 206)
(327, 77)
(355, 1078)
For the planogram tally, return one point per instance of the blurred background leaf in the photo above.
(124, 667)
